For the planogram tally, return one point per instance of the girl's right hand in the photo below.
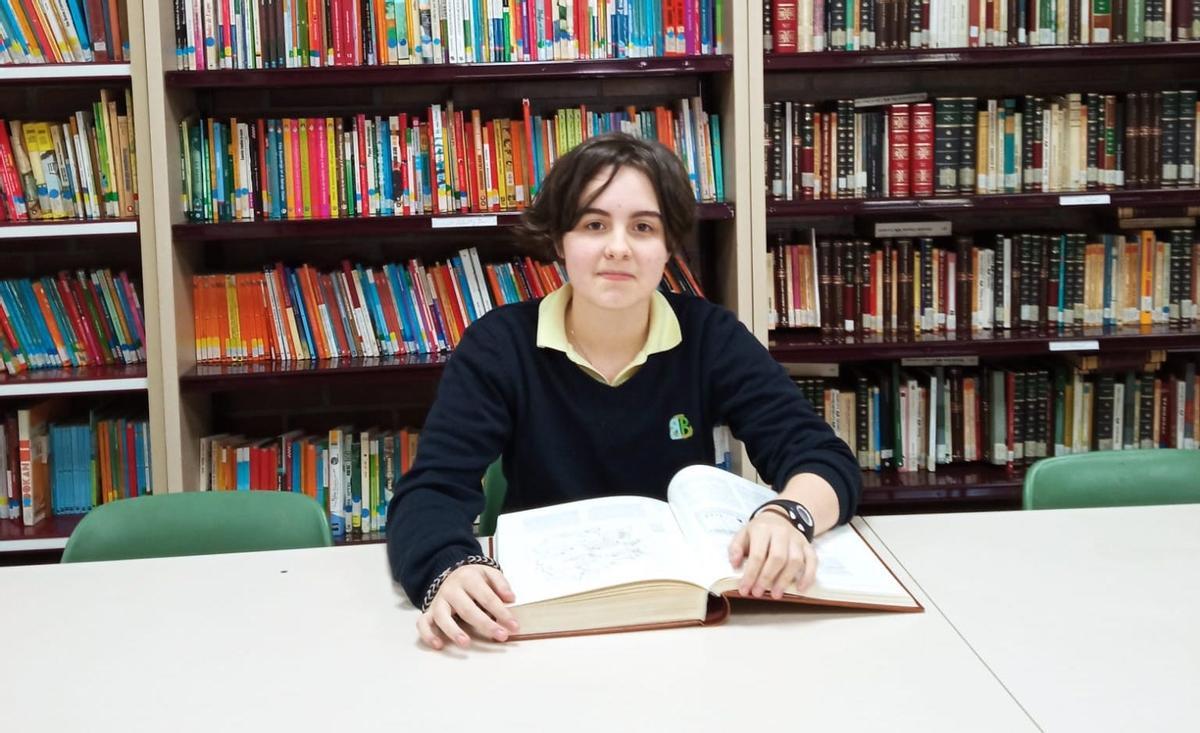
(473, 595)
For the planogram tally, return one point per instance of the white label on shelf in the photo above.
(1084, 345)
(889, 99)
(924, 361)
(1092, 199)
(912, 229)
(461, 222)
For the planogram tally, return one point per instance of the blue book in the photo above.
(293, 284)
(705, 22)
(1109, 318)
(424, 339)
(714, 126)
(139, 433)
(1062, 277)
(383, 130)
(81, 28)
(297, 465)
(12, 30)
(372, 296)
(407, 333)
(60, 318)
(508, 282)
(36, 321)
(464, 285)
(29, 344)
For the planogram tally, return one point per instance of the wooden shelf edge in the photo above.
(1002, 56)
(440, 73)
(43, 229)
(834, 349)
(1140, 198)
(379, 226)
(49, 534)
(63, 73)
(221, 377)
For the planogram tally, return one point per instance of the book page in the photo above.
(710, 505)
(585, 545)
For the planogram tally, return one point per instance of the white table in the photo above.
(1090, 617)
(319, 640)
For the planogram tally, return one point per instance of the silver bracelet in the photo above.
(436, 585)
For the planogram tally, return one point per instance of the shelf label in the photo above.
(1092, 199)
(461, 222)
(935, 361)
(1084, 345)
(912, 229)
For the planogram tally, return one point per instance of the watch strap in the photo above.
(795, 512)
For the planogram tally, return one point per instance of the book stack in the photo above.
(52, 464)
(347, 471)
(61, 31)
(1059, 282)
(72, 320)
(444, 161)
(801, 26)
(83, 168)
(286, 314)
(272, 34)
(919, 418)
(951, 146)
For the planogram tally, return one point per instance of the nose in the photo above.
(617, 246)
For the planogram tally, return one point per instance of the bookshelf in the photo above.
(986, 72)
(266, 400)
(50, 92)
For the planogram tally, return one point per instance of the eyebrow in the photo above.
(602, 212)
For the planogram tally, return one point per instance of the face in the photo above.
(616, 253)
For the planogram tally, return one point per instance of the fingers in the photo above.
(758, 540)
(776, 560)
(429, 635)
(796, 561)
(492, 597)
(737, 547)
(443, 620)
(500, 584)
(810, 568)
(467, 608)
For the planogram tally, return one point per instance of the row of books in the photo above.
(54, 464)
(442, 161)
(82, 168)
(801, 26)
(907, 286)
(285, 313)
(85, 318)
(272, 34)
(869, 148)
(349, 472)
(913, 419)
(61, 31)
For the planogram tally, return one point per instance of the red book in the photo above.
(921, 136)
(325, 282)
(389, 305)
(489, 144)
(296, 209)
(783, 25)
(899, 152)
(360, 126)
(462, 194)
(49, 50)
(10, 180)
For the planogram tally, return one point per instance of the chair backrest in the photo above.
(198, 523)
(1114, 478)
(495, 486)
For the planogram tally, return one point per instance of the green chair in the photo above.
(1114, 478)
(495, 486)
(198, 523)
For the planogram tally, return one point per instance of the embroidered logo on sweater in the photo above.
(679, 427)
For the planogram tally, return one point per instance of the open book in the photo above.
(625, 562)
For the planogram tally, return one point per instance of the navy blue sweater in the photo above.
(566, 436)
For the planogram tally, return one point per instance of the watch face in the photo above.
(803, 514)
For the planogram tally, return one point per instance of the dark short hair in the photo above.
(558, 205)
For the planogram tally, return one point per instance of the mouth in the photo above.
(616, 276)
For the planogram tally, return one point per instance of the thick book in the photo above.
(626, 563)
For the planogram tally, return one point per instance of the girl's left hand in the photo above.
(774, 554)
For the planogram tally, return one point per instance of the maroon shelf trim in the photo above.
(960, 486)
(52, 527)
(381, 226)
(1148, 198)
(1007, 56)
(219, 377)
(441, 73)
(76, 374)
(811, 346)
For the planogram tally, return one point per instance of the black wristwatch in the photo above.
(796, 513)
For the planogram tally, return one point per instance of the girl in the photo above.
(606, 387)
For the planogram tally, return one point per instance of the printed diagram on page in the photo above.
(572, 556)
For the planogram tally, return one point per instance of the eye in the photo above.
(595, 225)
(645, 227)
